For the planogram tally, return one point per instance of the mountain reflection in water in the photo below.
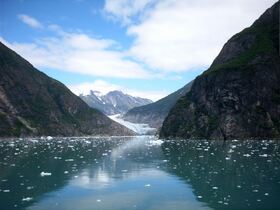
(138, 173)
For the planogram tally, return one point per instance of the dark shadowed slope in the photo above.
(154, 113)
(239, 95)
(31, 103)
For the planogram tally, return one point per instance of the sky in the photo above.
(146, 48)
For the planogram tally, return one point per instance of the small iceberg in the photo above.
(49, 137)
(155, 142)
(45, 174)
(27, 199)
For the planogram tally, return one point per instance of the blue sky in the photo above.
(147, 48)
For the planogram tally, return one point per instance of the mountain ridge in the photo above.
(239, 95)
(33, 104)
(153, 114)
(114, 102)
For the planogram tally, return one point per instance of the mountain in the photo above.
(239, 95)
(114, 102)
(154, 113)
(33, 104)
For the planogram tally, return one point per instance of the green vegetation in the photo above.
(263, 44)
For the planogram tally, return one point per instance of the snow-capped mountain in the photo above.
(114, 102)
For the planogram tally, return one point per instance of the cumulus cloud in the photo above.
(104, 87)
(80, 53)
(30, 21)
(183, 35)
(125, 10)
(98, 85)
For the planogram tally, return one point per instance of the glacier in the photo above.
(141, 129)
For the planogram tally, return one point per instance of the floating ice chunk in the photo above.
(27, 199)
(66, 172)
(45, 174)
(264, 155)
(246, 155)
(69, 160)
(199, 196)
(147, 185)
(266, 194)
(49, 137)
(155, 142)
(214, 188)
(98, 200)
(6, 191)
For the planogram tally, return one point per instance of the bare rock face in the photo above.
(32, 104)
(239, 95)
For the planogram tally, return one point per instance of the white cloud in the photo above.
(125, 10)
(98, 85)
(30, 21)
(79, 53)
(105, 87)
(182, 35)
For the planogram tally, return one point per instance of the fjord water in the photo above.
(138, 173)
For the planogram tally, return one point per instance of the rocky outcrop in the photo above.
(114, 102)
(155, 113)
(239, 95)
(33, 104)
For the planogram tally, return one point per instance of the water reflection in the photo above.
(228, 175)
(138, 173)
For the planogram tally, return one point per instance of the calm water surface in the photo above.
(138, 173)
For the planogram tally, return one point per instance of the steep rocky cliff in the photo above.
(32, 104)
(155, 113)
(239, 95)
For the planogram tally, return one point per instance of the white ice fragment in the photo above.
(199, 196)
(66, 172)
(49, 138)
(155, 142)
(147, 185)
(98, 200)
(45, 174)
(214, 188)
(264, 155)
(246, 155)
(69, 160)
(6, 191)
(27, 199)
